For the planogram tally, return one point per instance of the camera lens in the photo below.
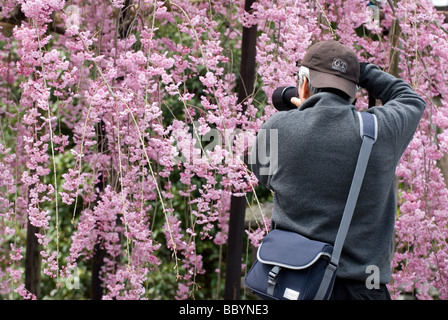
(281, 98)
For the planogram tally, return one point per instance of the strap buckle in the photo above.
(273, 274)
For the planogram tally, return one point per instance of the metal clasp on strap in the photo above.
(273, 274)
(326, 286)
(332, 266)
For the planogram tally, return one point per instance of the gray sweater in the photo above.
(317, 148)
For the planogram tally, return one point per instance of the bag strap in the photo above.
(368, 132)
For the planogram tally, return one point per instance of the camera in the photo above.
(281, 98)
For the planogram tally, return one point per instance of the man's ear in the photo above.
(304, 90)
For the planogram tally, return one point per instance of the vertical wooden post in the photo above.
(33, 260)
(395, 32)
(394, 60)
(96, 289)
(238, 204)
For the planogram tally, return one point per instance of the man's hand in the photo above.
(296, 101)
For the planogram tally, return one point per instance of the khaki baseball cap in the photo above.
(332, 65)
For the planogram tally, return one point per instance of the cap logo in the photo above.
(339, 65)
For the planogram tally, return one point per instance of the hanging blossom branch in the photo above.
(38, 121)
(422, 221)
(157, 147)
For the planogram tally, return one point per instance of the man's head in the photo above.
(329, 65)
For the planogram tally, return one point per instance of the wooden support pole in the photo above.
(33, 260)
(238, 204)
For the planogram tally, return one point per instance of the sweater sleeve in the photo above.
(402, 108)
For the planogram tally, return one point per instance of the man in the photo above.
(313, 152)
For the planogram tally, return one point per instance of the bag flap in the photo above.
(291, 250)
